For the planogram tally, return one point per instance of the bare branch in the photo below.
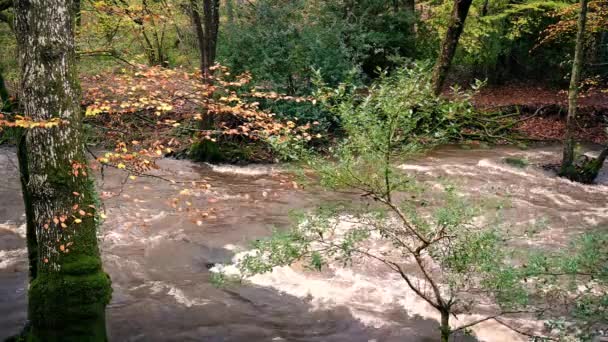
(408, 280)
(488, 318)
(521, 332)
(430, 280)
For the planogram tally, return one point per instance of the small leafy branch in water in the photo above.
(454, 260)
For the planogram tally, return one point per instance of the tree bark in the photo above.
(410, 6)
(449, 44)
(206, 27)
(5, 102)
(77, 11)
(568, 168)
(230, 11)
(446, 331)
(68, 291)
(484, 8)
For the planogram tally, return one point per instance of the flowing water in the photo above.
(160, 239)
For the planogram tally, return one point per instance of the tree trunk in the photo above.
(206, 27)
(568, 168)
(484, 8)
(69, 290)
(230, 11)
(5, 102)
(77, 11)
(449, 44)
(410, 6)
(446, 331)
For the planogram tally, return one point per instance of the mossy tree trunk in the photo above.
(455, 27)
(68, 291)
(568, 153)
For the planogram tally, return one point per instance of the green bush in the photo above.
(283, 42)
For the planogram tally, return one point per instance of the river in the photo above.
(160, 239)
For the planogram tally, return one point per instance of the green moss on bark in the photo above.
(585, 172)
(69, 307)
(68, 296)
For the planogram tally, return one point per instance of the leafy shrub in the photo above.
(404, 99)
(294, 37)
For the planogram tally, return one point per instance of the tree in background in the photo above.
(69, 290)
(587, 169)
(4, 98)
(206, 27)
(450, 42)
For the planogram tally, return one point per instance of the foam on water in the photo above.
(10, 258)
(367, 297)
(157, 287)
(12, 227)
(250, 170)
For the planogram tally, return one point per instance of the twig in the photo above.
(521, 332)
(110, 53)
(493, 317)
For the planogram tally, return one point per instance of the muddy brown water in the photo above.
(160, 240)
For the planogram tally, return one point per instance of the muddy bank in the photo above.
(160, 239)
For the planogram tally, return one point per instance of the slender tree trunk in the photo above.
(484, 8)
(450, 42)
(446, 331)
(77, 14)
(410, 6)
(200, 34)
(212, 23)
(206, 27)
(5, 102)
(568, 168)
(230, 11)
(69, 290)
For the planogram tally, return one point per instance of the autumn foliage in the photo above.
(597, 21)
(149, 112)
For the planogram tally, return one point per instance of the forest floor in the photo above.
(551, 107)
